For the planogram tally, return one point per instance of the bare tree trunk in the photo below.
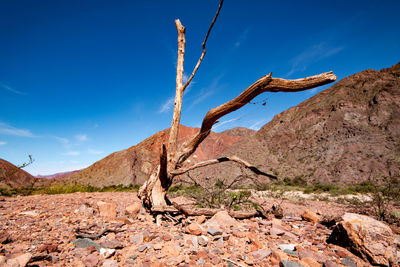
(153, 192)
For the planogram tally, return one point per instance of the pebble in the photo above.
(212, 231)
(287, 263)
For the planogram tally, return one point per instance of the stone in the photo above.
(32, 213)
(239, 234)
(133, 210)
(167, 237)
(158, 246)
(107, 252)
(91, 260)
(222, 219)
(290, 247)
(137, 239)
(3, 260)
(212, 231)
(85, 243)
(201, 219)
(291, 252)
(19, 261)
(85, 209)
(330, 264)
(276, 231)
(110, 263)
(306, 253)
(261, 254)
(144, 247)
(310, 216)
(195, 243)
(254, 240)
(279, 255)
(311, 262)
(193, 229)
(107, 209)
(348, 261)
(48, 248)
(287, 263)
(372, 240)
(203, 241)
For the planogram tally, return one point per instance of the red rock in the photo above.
(170, 250)
(193, 229)
(202, 254)
(133, 210)
(254, 240)
(367, 237)
(166, 237)
(107, 209)
(20, 261)
(91, 260)
(201, 219)
(310, 216)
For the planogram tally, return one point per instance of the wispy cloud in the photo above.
(207, 92)
(312, 55)
(258, 124)
(61, 139)
(71, 153)
(95, 152)
(2, 143)
(167, 105)
(10, 130)
(10, 89)
(242, 37)
(215, 127)
(81, 137)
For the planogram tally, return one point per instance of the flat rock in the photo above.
(222, 219)
(287, 263)
(107, 209)
(212, 231)
(110, 263)
(367, 237)
(310, 216)
(133, 210)
(19, 261)
(85, 243)
(193, 229)
(261, 254)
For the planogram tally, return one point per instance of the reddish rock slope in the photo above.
(134, 164)
(11, 176)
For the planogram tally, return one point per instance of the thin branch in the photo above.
(219, 160)
(264, 84)
(204, 47)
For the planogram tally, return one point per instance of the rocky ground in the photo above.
(107, 229)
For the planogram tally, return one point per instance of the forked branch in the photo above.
(264, 84)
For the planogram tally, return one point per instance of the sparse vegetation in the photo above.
(65, 189)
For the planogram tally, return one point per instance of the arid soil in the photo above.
(41, 230)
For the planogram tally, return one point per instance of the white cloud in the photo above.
(10, 130)
(95, 152)
(8, 88)
(312, 55)
(2, 143)
(71, 153)
(82, 137)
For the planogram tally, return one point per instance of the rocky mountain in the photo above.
(346, 134)
(12, 176)
(133, 165)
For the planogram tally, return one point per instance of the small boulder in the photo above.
(107, 209)
(366, 237)
(133, 210)
(222, 219)
(193, 229)
(310, 216)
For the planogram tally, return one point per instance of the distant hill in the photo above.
(346, 134)
(133, 165)
(11, 176)
(56, 176)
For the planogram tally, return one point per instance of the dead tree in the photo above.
(172, 158)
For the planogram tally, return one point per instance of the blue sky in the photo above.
(82, 79)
